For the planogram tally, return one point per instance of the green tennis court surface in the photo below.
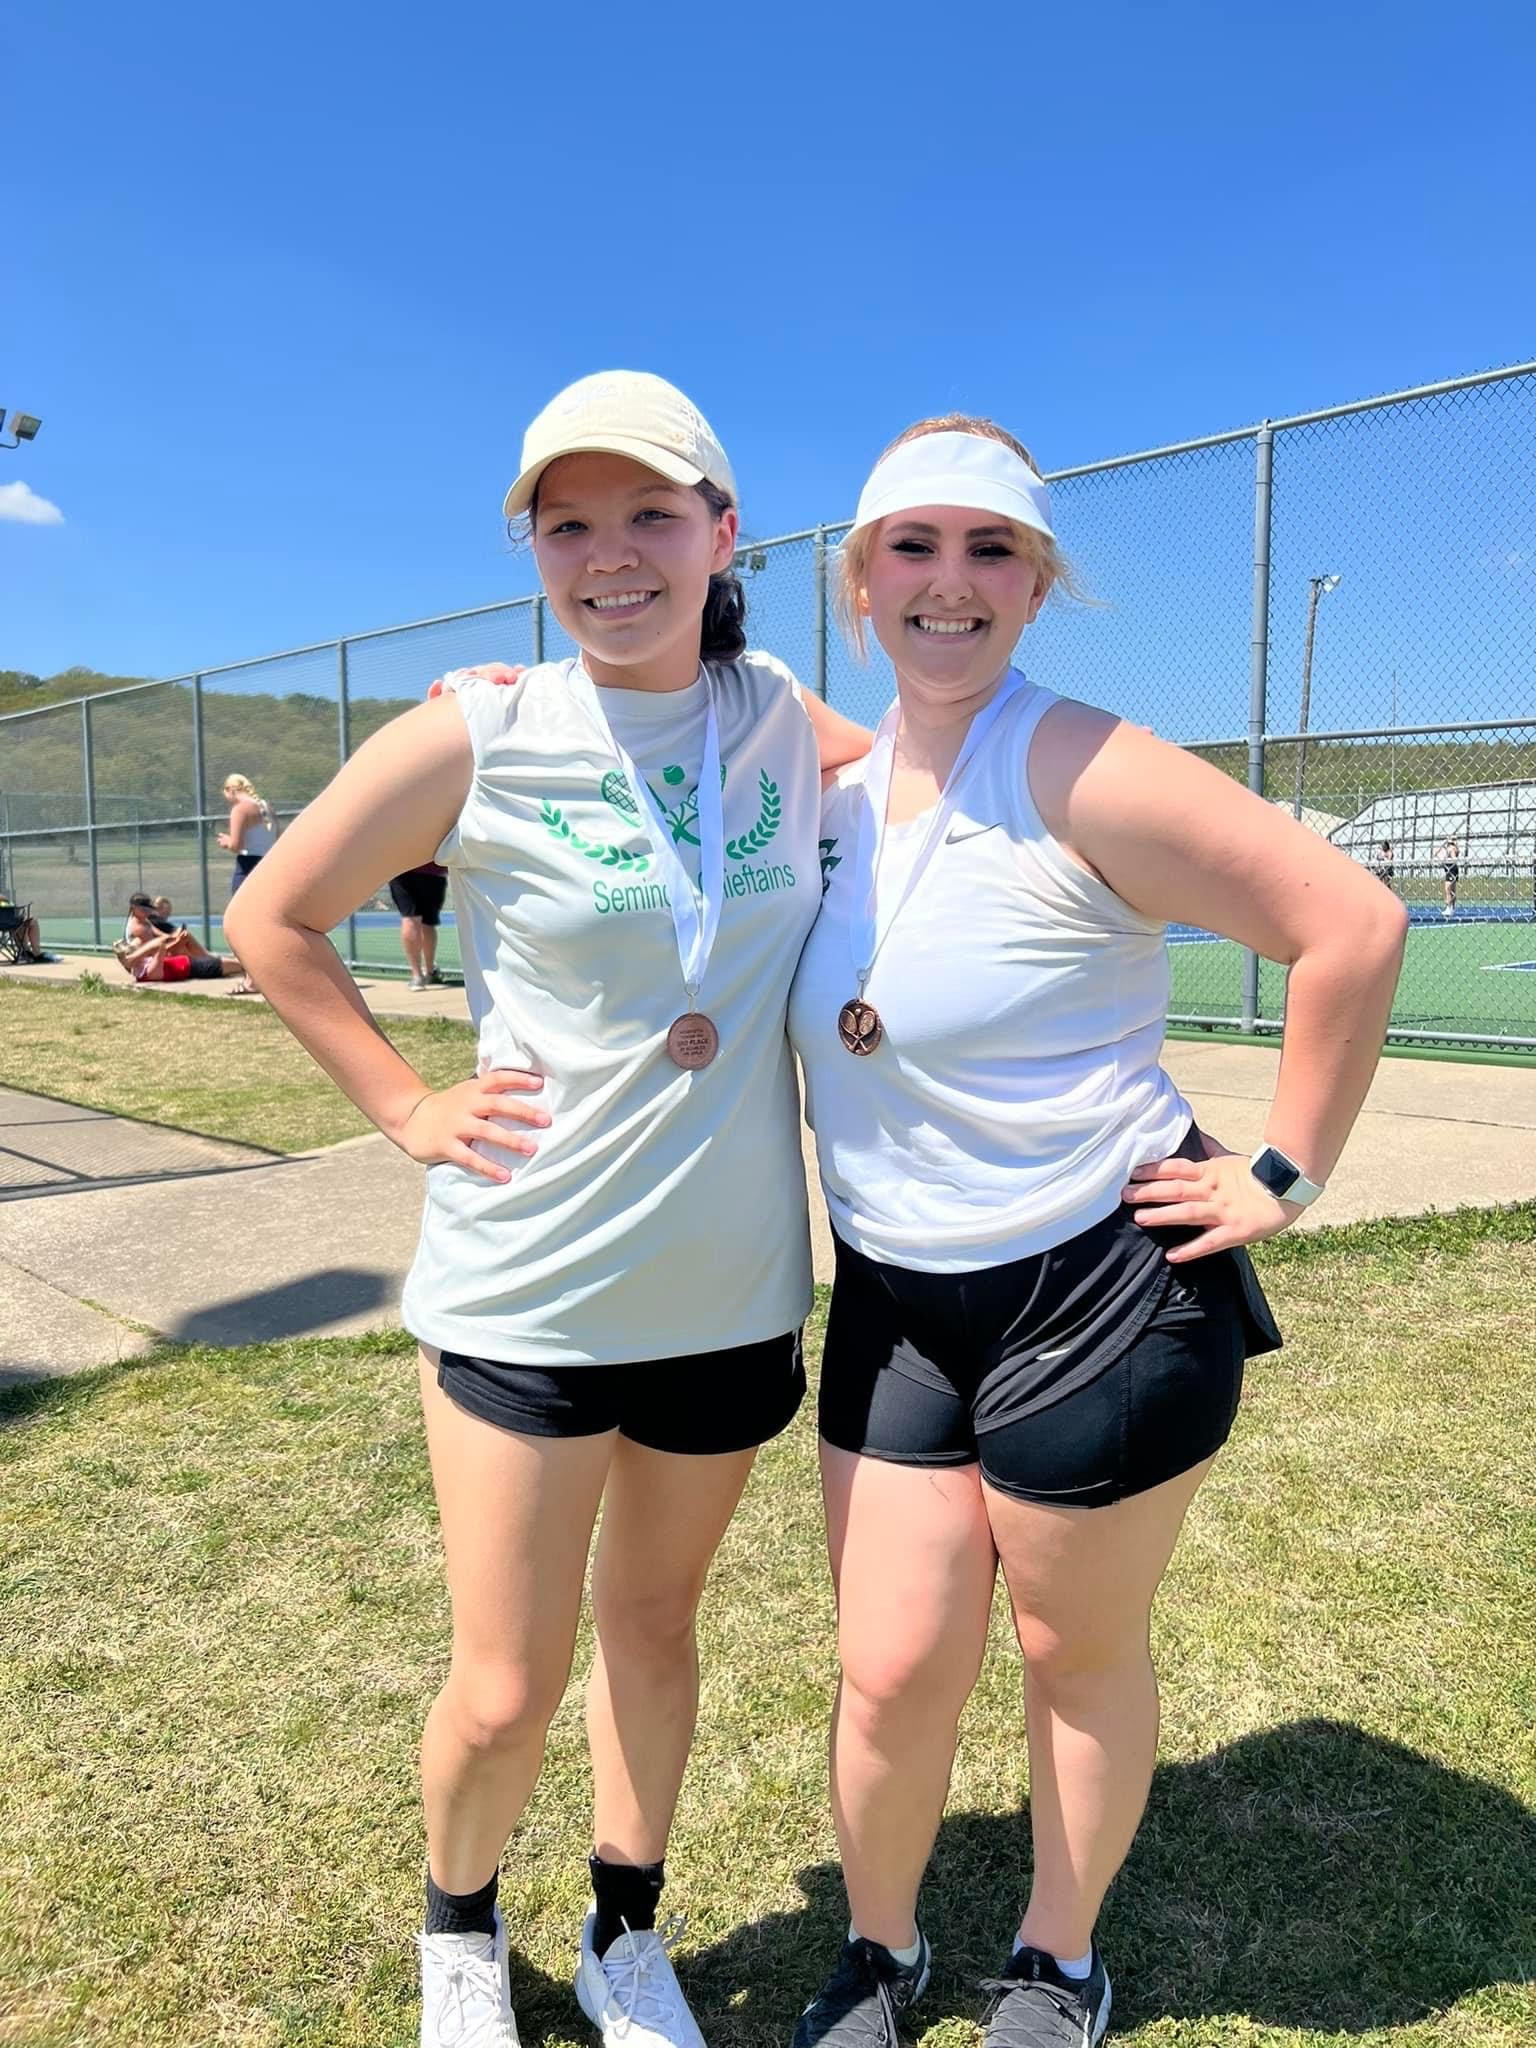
(1460, 976)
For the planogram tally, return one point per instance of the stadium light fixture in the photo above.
(1318, 587)
(24, 427)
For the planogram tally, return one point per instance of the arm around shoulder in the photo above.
(839, 740)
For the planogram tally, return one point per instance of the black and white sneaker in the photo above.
(860, 2002)
(1034, 2005)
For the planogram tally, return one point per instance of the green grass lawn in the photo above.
(224, 1069)
(224, 1621)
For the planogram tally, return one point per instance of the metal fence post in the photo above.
(819, 577)
(343, 749)
(537, 634)
(200, 775)
(89, 764)
(1258, 666)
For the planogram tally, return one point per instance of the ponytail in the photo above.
(723, 636)
(725, 617)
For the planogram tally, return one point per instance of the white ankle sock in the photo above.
(1079, 1968)
(905, 1956)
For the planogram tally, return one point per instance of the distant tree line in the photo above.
(287, 745)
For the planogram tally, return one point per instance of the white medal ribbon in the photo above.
(870, 926)
(695, 912)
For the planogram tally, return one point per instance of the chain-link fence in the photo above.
(1338, 610)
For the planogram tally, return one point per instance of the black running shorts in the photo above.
(419, 895)
(703, 1405)
(1073, 1378)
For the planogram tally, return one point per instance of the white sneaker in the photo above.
(631, 1994)
(466, 1998)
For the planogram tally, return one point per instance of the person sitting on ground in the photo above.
(29, 941)
(155, 948)
(145, 918)
(177, 956)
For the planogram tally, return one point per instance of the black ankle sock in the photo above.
(461, 1912)
(626, 1896)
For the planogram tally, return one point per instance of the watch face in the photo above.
(1274, 1171)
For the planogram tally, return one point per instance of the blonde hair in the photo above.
(242, 785)
(853, 557)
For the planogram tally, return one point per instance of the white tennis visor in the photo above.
(969, 470)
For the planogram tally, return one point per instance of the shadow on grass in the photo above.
(1312, 1876)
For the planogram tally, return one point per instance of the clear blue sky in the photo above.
(286, 282)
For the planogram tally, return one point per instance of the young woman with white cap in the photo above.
(614, 1260)
(1017, 1369)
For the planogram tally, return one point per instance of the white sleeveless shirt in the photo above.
(664, 1212)
(260, 838)
(1023, 1002)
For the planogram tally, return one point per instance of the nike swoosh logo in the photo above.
(957, 832)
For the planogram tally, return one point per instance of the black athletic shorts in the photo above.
(1452, 871)
(703, 1405)
(416, 895)
(205, 967)
(1074, 1378)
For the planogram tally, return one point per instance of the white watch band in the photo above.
(1301, 1190)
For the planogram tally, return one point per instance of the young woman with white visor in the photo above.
(614, 1259)
(1042, 1306)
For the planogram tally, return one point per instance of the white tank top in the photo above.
(1023, 1003)
(664, 1213)
(261, 837)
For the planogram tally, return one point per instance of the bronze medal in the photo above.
(859, 1027)
(692, 1041)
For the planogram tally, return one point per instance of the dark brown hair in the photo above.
(724, 633)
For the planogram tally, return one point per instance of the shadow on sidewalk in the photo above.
(293, 1308)
(267, 1315)
(53, 1145)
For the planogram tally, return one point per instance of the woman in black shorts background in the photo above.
(418, 895)
(1042, 1306)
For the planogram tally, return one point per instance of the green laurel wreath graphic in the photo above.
(554, 819)
(757, 838)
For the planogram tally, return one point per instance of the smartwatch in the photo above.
(1277, 1172)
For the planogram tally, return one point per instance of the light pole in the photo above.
(1318, 587)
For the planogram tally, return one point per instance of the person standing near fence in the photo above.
(419, 895)
(609, 1310)
(1449, 856)
(1015, 1369)
(252, 830)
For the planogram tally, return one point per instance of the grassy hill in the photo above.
(20, 691)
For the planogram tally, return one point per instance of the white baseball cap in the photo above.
(623, 412)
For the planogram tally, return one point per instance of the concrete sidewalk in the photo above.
(116, 1232)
